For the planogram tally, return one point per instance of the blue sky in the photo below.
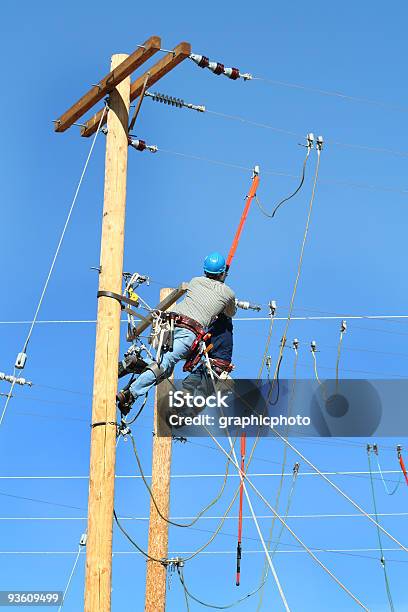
(178, 209)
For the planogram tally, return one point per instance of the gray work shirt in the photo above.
(205, 299)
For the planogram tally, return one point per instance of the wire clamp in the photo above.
(100, 423)
(313, 346)
(83, 540)
(21, 361)
(272, 308)
(175, 562)
(295, 344)
(319, 143)
(399, 450)
(343, 326)
(181, 439)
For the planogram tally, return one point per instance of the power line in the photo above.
(301, 136)
(325, 318)
(326, 181)
(336, 94)
(207, 552)
(54, 259)
(205, 518)
(182, 476)
(70, 578)
(294, 318)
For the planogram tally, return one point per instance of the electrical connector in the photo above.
(272, 308)
(21, 361)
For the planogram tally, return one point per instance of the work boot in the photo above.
(132, 363)
(124, 400)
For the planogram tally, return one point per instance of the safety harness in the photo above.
(162, 336)
(221, 367)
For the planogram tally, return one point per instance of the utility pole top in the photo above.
(154, 74)
(108, 83)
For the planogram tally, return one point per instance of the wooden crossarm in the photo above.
(165, 304)
(108, 83)
(156, 72)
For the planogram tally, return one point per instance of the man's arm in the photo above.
(231, 307)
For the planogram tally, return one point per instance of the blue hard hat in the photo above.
(214, 263)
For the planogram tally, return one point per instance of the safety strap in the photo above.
(157, 370)
(198, 348)
(122, 300)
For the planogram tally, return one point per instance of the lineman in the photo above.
(206, 298)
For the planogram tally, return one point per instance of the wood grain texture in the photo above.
(155, 600)
(103, 437)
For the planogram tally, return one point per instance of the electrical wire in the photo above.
(387, 490)
(203, 518)
(135, 544)
(149, 489)
(70, 579)
(279, 491)
(336, 94)
(382, 559)
(188, 593)
(289, 197)
(54, 259)
(336, 143)
(339, 551)
(294, 318)
(326, 181)
(310, 552)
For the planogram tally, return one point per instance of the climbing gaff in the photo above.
(249, 198)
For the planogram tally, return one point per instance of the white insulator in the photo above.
(246, 76)
(14, 380)
(196, 58)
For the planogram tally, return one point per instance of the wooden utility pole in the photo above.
(103, 439)
(102, 463)
(155, 599)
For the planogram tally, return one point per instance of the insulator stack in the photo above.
(14, 380)
(158, 97)
(140, 145)
(172, 101)
(217, 68)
